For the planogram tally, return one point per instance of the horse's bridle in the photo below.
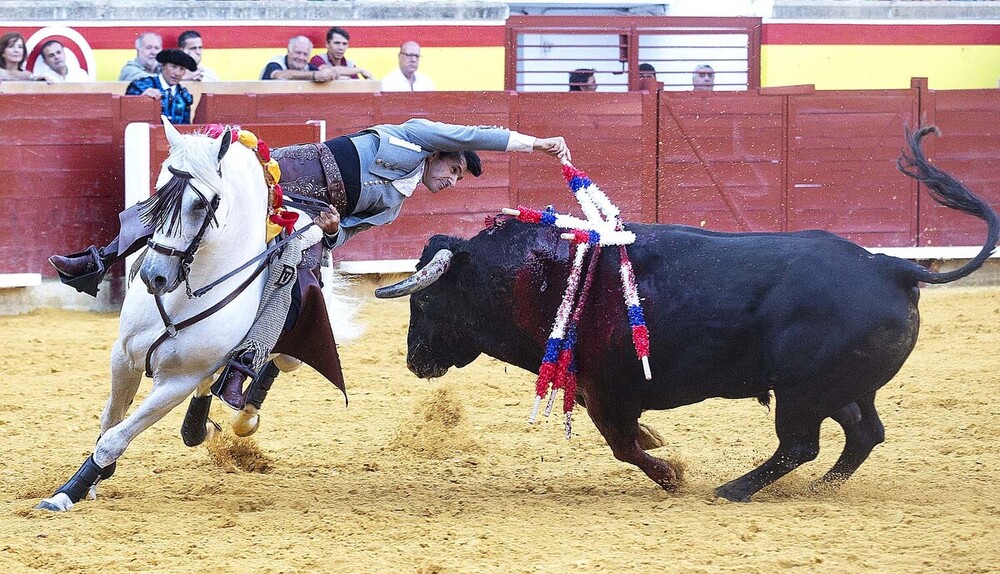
(186, 255)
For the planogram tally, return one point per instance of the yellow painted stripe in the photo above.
(456, 69)
(880, 67)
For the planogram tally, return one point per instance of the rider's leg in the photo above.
(85, 270)
(229, 386)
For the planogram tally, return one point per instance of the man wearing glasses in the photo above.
(406, 78)
(703, 78)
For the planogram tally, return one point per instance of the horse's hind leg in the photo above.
(863, 431)
(197, 426)
(798, 443)
(113, 442)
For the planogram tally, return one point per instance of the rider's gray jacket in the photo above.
(393, 157)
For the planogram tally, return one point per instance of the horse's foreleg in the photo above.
(125, 381)
(113, 442)
(197, 426)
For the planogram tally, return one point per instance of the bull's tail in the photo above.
(949, 192)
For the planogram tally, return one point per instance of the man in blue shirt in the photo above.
(166, 87)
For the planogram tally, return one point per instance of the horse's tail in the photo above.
(949, 192)
(342, 305)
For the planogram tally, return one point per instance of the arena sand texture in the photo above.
(446, 476)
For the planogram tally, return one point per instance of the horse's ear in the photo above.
(173, 136)
(225, 140)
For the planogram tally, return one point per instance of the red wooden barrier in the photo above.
(761, 160)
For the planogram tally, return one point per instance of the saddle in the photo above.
(310, 170)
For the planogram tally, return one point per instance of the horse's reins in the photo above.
(187, 256)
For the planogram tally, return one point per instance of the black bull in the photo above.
(815, 319)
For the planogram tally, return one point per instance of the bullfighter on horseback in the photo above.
(349, 184)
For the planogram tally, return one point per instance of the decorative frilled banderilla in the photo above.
(602, 227)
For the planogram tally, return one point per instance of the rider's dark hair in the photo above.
(473, 164)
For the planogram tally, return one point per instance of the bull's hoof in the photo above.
(727, 492)
(58, 503)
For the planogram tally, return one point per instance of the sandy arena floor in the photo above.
(446, 476)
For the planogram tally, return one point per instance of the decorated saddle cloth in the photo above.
(310, 171)
(311, 339)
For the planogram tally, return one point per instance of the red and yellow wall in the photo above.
(464, 56)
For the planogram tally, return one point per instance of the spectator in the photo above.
(406, 78)
(295, 65)
(166, 87)
(12, 57)
(337, 40)
(703, 78)
(147, 46)
(582, 80)
(55, 67)
(190, 42)
(647, 78)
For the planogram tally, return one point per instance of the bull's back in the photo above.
(736, 314)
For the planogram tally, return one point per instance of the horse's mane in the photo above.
(192, 161)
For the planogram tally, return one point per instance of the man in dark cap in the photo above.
(166, 87)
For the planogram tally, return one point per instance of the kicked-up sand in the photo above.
(447, 476)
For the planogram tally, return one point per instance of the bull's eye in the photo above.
(422, 301)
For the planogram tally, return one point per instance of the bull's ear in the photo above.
(224, 141)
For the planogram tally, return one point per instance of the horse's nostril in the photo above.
(159, 282)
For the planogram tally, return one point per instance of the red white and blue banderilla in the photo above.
(602, 227)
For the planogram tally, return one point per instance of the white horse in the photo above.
(216, 215)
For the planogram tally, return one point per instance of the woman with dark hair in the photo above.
(12, 57)
(582, 80)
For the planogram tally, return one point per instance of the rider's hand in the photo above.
(554, 146)
(328, 221)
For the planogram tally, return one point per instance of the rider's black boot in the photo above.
(83, 271)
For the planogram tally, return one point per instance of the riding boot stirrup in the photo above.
(83, 271)
(229, 386)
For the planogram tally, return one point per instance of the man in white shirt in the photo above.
(406, 78)
(191, 43)
(54, 58)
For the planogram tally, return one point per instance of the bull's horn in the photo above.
(173, 136)
(422, 278)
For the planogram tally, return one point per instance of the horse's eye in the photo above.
(199, 205)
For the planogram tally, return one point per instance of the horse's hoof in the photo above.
(58, 503)
(245, 422)
(212, 428)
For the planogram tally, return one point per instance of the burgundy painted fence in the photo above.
(764, 160)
